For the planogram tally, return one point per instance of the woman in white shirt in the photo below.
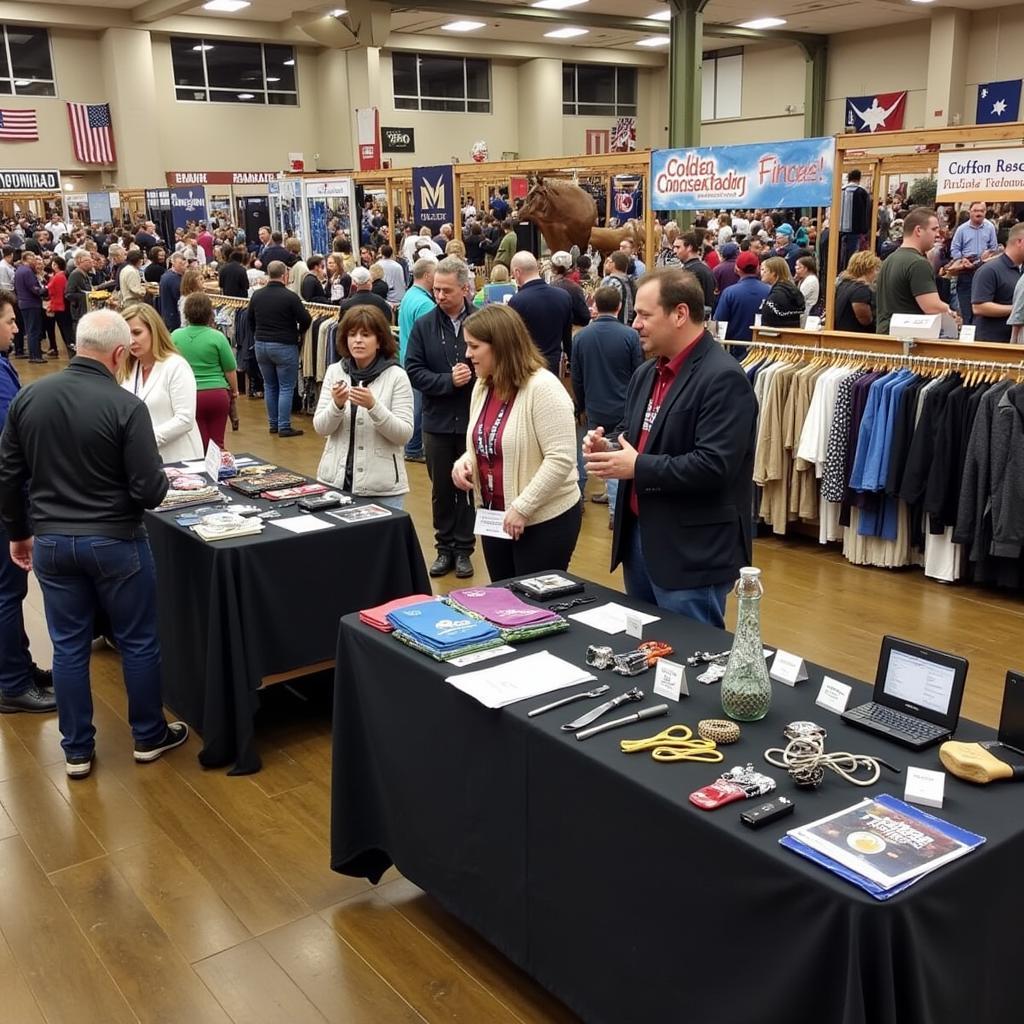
(156, 373)
(806, 277)
(365, 411)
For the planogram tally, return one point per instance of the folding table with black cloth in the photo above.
(232, 612)
(592, 871)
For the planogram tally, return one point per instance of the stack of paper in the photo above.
(520, 679)
(610, 617)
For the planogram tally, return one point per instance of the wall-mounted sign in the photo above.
(188, 204)
(30, 181)
(219, 177)
(398, 140)
(992, 175)
(321, 188)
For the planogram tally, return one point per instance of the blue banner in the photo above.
(433, 196)
(99, 206)
(998, 102)
(768, 176)
(627, 198)
(188, 204)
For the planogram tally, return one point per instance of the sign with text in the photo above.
(219, 177)
(29, 181)
(368, 138)
(188, 204)
(767, 175)
(433, 195)
(398, 140)
(992, 175)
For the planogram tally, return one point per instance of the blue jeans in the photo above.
(279, 364)
(34, 331)
(415, 445)
(15, 661)
(79, 575)
(705, 604)
(611, 486)
(964, 283)
(396, 501)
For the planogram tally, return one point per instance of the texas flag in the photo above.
(882, 112)
(998, 102)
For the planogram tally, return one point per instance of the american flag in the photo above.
(92, 134)
(19, 125)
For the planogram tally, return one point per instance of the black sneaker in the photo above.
(177, 733)
(289, 432)
(273, 430)
(463, 567)
(33, 700)
(78, 766)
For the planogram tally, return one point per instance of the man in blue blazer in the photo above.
(685, 456)
(546, 310)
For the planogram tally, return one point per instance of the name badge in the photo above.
(924, 787)
(833, 695)
(788, 668)
(670, 680)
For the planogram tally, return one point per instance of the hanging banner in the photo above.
(433, 195)
(188, 204)
(883, 112)
(627, 197)
(518, 186)
(768, 175)
(623, 135)
(599, 140)
(368, 138)
(991, 175)
(29, 181)
(99, 206)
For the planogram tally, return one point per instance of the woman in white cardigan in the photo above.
(164, 381)
(520, 447)
(365, 411)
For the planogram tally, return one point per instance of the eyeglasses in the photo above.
(574, 603)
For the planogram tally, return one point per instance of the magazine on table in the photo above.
(360, 514)
(883, 842)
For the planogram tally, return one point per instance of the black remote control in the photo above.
(764, 814)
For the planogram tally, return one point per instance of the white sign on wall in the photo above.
(992, 175)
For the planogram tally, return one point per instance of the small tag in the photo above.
(924, 787)
(967, 332)
(670, 680)
(833, 695)
(490, 523)
(634, 624)
(213, 461)
(813, 323)
(472, 659)
(788, 668)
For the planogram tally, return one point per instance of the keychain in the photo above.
(736, 784)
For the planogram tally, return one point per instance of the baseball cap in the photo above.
(359, 275)
(747, 261)
(730, 251)
(784, 229)
(561, 259)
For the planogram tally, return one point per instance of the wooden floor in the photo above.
(165, 893)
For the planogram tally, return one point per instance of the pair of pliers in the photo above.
(675, 744)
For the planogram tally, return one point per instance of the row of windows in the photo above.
(25, 65)
(211, 71)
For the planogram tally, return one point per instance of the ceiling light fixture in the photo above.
(245, 96)
(557, 5)
(566, 33)
(660, 16)
(654, 41)
(338, 12)
(202, 48)
(763, 23)
(227, 6)
(463, 26)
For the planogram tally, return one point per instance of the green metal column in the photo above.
(815, 73)
(685, 61)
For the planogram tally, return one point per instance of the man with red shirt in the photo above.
(685, 456)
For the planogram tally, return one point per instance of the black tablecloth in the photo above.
(234, 611)
(592, 871)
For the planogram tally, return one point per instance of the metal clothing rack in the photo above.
(233, 302)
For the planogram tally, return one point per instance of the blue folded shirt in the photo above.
(440, 626)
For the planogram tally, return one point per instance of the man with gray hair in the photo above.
(436, 363)
(170, 291)
(90, 476)
(546, 310)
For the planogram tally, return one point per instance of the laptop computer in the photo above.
(917, 696)
(1011, 719)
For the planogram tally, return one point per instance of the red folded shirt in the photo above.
(378, 617)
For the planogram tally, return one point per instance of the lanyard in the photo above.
(138, 376)
(487, 448)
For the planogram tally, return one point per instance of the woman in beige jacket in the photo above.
(520, 448)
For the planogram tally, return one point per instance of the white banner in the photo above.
(992, 175)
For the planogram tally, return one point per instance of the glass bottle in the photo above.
(746, 688)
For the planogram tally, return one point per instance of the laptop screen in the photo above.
(1011, 720)
(918, 681)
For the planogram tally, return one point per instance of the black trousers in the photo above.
(545, 546)
(454, 515)
(67, 328)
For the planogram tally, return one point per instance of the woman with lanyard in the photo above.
(521, 448)
(156, 373)
(365, 411)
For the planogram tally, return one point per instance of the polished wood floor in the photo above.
(165, 893)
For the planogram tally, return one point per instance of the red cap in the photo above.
(747, 261)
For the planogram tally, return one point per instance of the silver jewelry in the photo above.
(715, 672)
(805, 760)
(804, 730)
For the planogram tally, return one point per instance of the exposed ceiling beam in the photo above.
(154, 10)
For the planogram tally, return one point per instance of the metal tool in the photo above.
(596, 692)
(637, 716)
(601, 709)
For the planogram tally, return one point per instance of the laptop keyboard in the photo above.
(896, 721)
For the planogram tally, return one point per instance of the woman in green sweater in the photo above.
(209, 354)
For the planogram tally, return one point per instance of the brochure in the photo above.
(882, 841)
(360, 514)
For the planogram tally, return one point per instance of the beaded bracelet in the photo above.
(718, 730)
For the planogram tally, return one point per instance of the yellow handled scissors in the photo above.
(675, 744)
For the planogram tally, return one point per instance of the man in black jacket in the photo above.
(90, 476)
(436, 363)
(233, 277)
(275, 251)
(547, 311)
(685, 456)
(278, 320)
(689, 250)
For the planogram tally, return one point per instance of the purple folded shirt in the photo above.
(501, 607)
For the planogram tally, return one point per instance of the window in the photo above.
(722, 85)
(25, 65)
(423, 81)
(598, 89)
(211, 71)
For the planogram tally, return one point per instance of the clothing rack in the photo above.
(233, 302)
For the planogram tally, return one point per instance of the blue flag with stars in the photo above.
(998, 102)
